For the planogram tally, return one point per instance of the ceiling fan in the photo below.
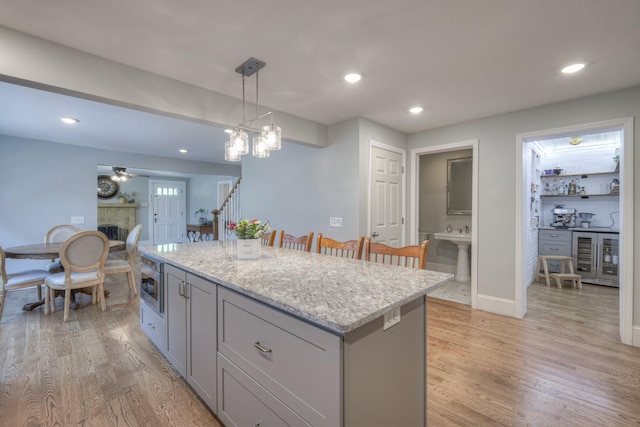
(120, 174)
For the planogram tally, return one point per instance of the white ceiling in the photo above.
(459, 59)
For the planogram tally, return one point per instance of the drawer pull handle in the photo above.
(150, 325)
(261, 348)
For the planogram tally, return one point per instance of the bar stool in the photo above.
(576, 279)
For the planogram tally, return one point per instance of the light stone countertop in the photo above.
(333, 293)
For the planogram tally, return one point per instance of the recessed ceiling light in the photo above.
(353, 77)
(183, 150)
(228, 130)
(69, 120)
(573, 68)
(415, 110)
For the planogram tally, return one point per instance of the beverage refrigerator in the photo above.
(596, 257)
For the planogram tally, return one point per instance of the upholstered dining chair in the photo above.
(58, 234)
(116, 266)
(82, 256)
(414, 256)
(347, 249)
(302, 243)
(268, 239)
(20, 280)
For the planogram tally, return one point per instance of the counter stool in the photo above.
(576, 279)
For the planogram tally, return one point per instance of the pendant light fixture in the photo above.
(268, 138)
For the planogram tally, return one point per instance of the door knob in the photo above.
(374, 234)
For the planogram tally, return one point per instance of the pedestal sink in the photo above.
(463, 241)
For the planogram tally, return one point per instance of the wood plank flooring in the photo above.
(562, 365)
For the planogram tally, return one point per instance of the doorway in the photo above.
(414, 183)
(525, 269)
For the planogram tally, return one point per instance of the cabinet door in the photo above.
(176, 314)
(202, 338)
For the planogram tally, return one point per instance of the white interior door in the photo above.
(386, 213)
(223, 191)
(168, 212)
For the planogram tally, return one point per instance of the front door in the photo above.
(168, 212)
(387, 177)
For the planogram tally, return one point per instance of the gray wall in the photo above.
(497, 159)
(44, 184)
(299, 188)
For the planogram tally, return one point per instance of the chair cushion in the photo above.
(54, 267)
(26, 276)
(76, 278)
(116, 264)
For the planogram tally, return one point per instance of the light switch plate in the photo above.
(391, 318)
(335, 222)
(77, 220)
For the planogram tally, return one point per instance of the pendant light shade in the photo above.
(260, 147)
(271, 135)
(230, 152)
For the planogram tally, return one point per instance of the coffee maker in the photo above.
(563, 218)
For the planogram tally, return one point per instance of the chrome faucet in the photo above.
(466, 229)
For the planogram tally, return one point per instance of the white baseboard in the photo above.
(506, 307)
(635, 336)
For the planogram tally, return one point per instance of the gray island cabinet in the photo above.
(295, 338)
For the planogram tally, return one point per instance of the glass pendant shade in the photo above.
(240, 141)
(230, 152)
(272, 136)
(260, 147)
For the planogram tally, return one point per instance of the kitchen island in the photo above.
(294, 338)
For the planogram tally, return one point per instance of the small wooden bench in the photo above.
(576, 279)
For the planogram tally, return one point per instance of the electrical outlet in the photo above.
(391, 318)
(335, 222)
(77, 220)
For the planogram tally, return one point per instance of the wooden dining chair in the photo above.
(302, 243)
(347, 249)
(412, 256)
(268, 239)
(83, 256)
(19, 280)
(58, 234)
(117, 266)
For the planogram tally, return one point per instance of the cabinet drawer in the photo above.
(555, 248)
(295, 361)
(153, 325)
(243, 402)
(555, 235)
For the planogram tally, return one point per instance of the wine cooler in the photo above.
(596, 257)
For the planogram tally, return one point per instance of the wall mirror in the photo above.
(459, 185)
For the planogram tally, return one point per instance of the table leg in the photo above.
(74, 305)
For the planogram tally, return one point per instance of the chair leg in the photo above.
(132, 282)
(579, 283)
(3, 294)
(67, 303)
(103, 303)
(47, 300)
(39, 287)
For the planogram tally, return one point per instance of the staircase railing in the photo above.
(230, 211)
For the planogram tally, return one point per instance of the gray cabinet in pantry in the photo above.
(191, 331)
(554, 242)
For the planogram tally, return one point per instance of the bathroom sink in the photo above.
(454, 237)
(463, 241)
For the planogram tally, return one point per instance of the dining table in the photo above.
(50, 251)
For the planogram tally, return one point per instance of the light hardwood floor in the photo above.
(562, 365)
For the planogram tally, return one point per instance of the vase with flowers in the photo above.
(248, 232)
